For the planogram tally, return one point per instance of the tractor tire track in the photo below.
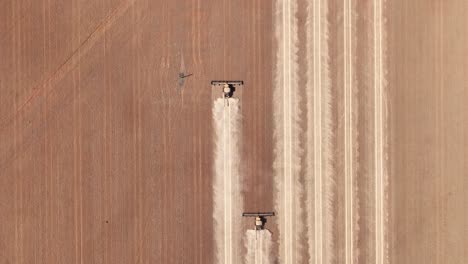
(350, 139)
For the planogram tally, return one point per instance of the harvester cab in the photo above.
(260, 218)
(227, 87)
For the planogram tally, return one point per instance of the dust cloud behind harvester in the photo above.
(258, 245)
(227, 200)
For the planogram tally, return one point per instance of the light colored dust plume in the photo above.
(227, 181)
(380, 126)
(287, 130)
(319, 171)
(258, 246)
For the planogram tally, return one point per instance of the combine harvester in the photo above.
(228, 88)
(258, 241)
(260, 219)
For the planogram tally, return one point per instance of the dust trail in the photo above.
(258, 246)
(287, 149)
(319, 170)
(381, 178)
(227, 181)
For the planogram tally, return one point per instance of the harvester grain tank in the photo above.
(227, 87)
(260, 218)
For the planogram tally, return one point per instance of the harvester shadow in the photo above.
(233, 89)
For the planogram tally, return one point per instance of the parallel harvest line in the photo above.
(319, 170)
(229, 187)
(378, 128)
(260, 251)
(287, 140)
(348, 133)
(222, 176)
(318, 135)
(225, 171)
(226, 180)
